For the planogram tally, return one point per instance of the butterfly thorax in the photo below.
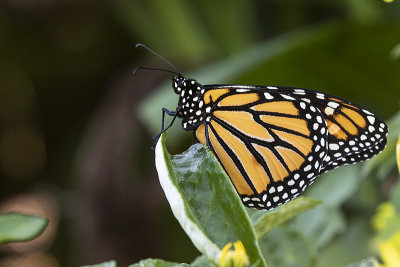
(191, 107)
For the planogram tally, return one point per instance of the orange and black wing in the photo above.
(271, 145)
(355, 134)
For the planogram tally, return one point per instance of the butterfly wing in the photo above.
(355, 134)
(265, 141)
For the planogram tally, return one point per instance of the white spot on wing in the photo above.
(272, 190)
(333, 146)
(329, 111)
(333, 104)
(371, 119)
(371, 128)
(367, 112)
(268, 96)
(299, 91)
(287, 97)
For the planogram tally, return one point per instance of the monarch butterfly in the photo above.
(273, 141)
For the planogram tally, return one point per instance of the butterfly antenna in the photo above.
(146, 68)
(151, 51)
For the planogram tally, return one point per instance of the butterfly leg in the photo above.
(170, 113)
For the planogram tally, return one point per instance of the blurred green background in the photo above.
(76, 126)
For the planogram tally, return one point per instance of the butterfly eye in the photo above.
(178, 83)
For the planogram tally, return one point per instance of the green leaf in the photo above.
(395, 53)
(287, 247)
(335, 187)
(321, 224)
(158, 263)
(205, 202)
(370, 262)
(16, 227)
(395, 197)
(285, 212)
(103, 264)
(391, 228)
(351, 246)
(202, 261)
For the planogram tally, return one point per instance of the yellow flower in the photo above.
(233, 258)
(385, 212)
(398, 153)
(388, 1)
(390, 251)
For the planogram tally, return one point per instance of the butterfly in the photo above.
(273, 141)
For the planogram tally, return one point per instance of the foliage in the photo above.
(338, 50)
(17, 227)
(67, 127)
(208, 208)
(370, 262)
(104, 264)
(193, 183)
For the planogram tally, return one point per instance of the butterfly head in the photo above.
(179, 84)
(190, 105)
